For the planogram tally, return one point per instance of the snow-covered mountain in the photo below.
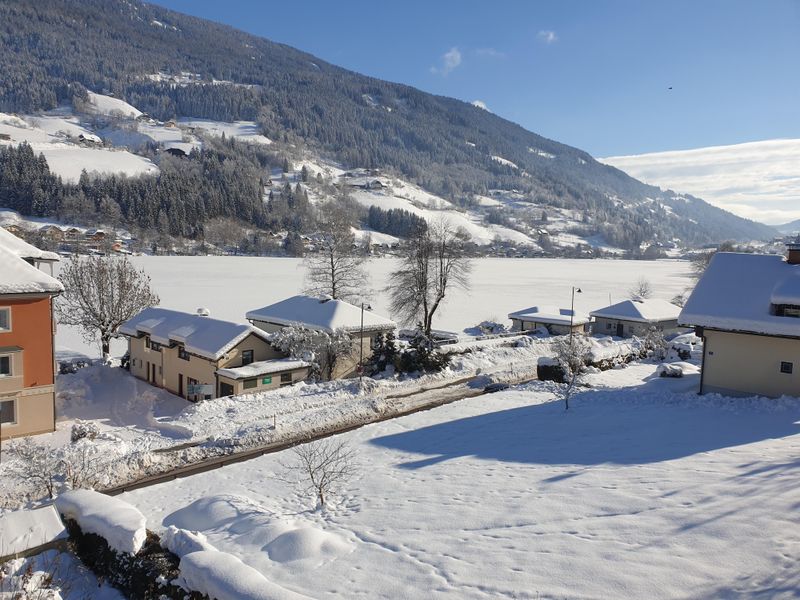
(756, 180)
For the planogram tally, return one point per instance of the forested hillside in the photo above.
(171, 65)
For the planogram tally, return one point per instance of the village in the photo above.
(724, 340)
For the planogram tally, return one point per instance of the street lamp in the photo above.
(572, 311)
(361, 344)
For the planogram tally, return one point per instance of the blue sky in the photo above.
(591, 74)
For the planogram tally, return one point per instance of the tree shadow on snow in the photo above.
(617, 427)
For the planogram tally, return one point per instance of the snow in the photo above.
(647, 310)
(204, 336)
(67, 159)
(182, 541)
(550, 314)
(641, 490)
(263, 367)
(24, 530)
(22, 249)
(223, 576)
(504, 161)
(320, 313)
(757, 180)
(244, 131)
(18, 277)
(116, 521)
(230, 286)
(787, 290)
(107, 105)
(736, 292)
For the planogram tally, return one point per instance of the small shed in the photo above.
(557, 321)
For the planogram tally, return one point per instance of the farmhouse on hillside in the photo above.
(327, 315)
(746, 307)
(27, 349)
(197, 357)
(557, 321)
(635, 317)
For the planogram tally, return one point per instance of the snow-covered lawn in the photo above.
(642, 490)
(229, 286)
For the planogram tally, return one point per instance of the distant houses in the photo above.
(27, 347)
(635, 317)
(198, 357)
(326, 315)
(746, 307)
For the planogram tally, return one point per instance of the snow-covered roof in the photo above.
(320, 313)
(19, 277)
(549, 314)
(736, 293)
(263, 367)
(204, 336)
(23, 249)
(24, 530)
(648, 310)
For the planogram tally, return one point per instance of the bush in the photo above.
(84, 430)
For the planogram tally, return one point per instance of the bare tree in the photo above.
(641, 290)
(701, 260)
(320, 467)
(101, 293)
(39, 466)
(432, 263)
(336, 269)
(323, 349)
(572, 354)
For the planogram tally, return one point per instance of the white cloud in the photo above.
(756, 180)
(480, 104)
(489, 53)
(450, 60)
(547, 36)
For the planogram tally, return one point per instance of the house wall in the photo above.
(606, 326)
(742, 364)
(32, 382)
(275, 381)
(169, 365)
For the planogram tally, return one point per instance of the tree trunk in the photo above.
(105, 341)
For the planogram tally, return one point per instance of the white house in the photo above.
(635, 317)
(746, 307)
(557, 321)
(326, 315)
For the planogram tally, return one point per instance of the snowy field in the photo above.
(756, 180)
(229, 286)
(642, 490)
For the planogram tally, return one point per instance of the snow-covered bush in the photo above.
(84, 429)
(322, 349)
(421, 355)
(38, 465)
(654, 343)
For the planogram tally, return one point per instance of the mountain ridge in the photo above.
(447, 146)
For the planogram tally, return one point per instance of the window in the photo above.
(147, 341)
(5, 320)
(155, 346)
(787, 367)
(249, 384)
(8, 412)
(182, 353)
(5, 366)
(608, 325)
(247, 357)
(286, 378)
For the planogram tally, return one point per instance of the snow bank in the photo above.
(224, 577)
(182, 542)
(23, 530)
(119, 523)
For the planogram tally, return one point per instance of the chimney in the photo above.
(203, 312)
(793, 252)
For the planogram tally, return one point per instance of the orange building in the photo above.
(27, 350)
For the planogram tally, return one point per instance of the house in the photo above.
(52, 232)
(326, 315)
(557, 321)
(197, 357)
(41, 259)
(635, 317)
(27, 349)
(746, 307)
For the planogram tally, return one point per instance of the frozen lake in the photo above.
(229, 286)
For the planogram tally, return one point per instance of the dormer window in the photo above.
(786, 310)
